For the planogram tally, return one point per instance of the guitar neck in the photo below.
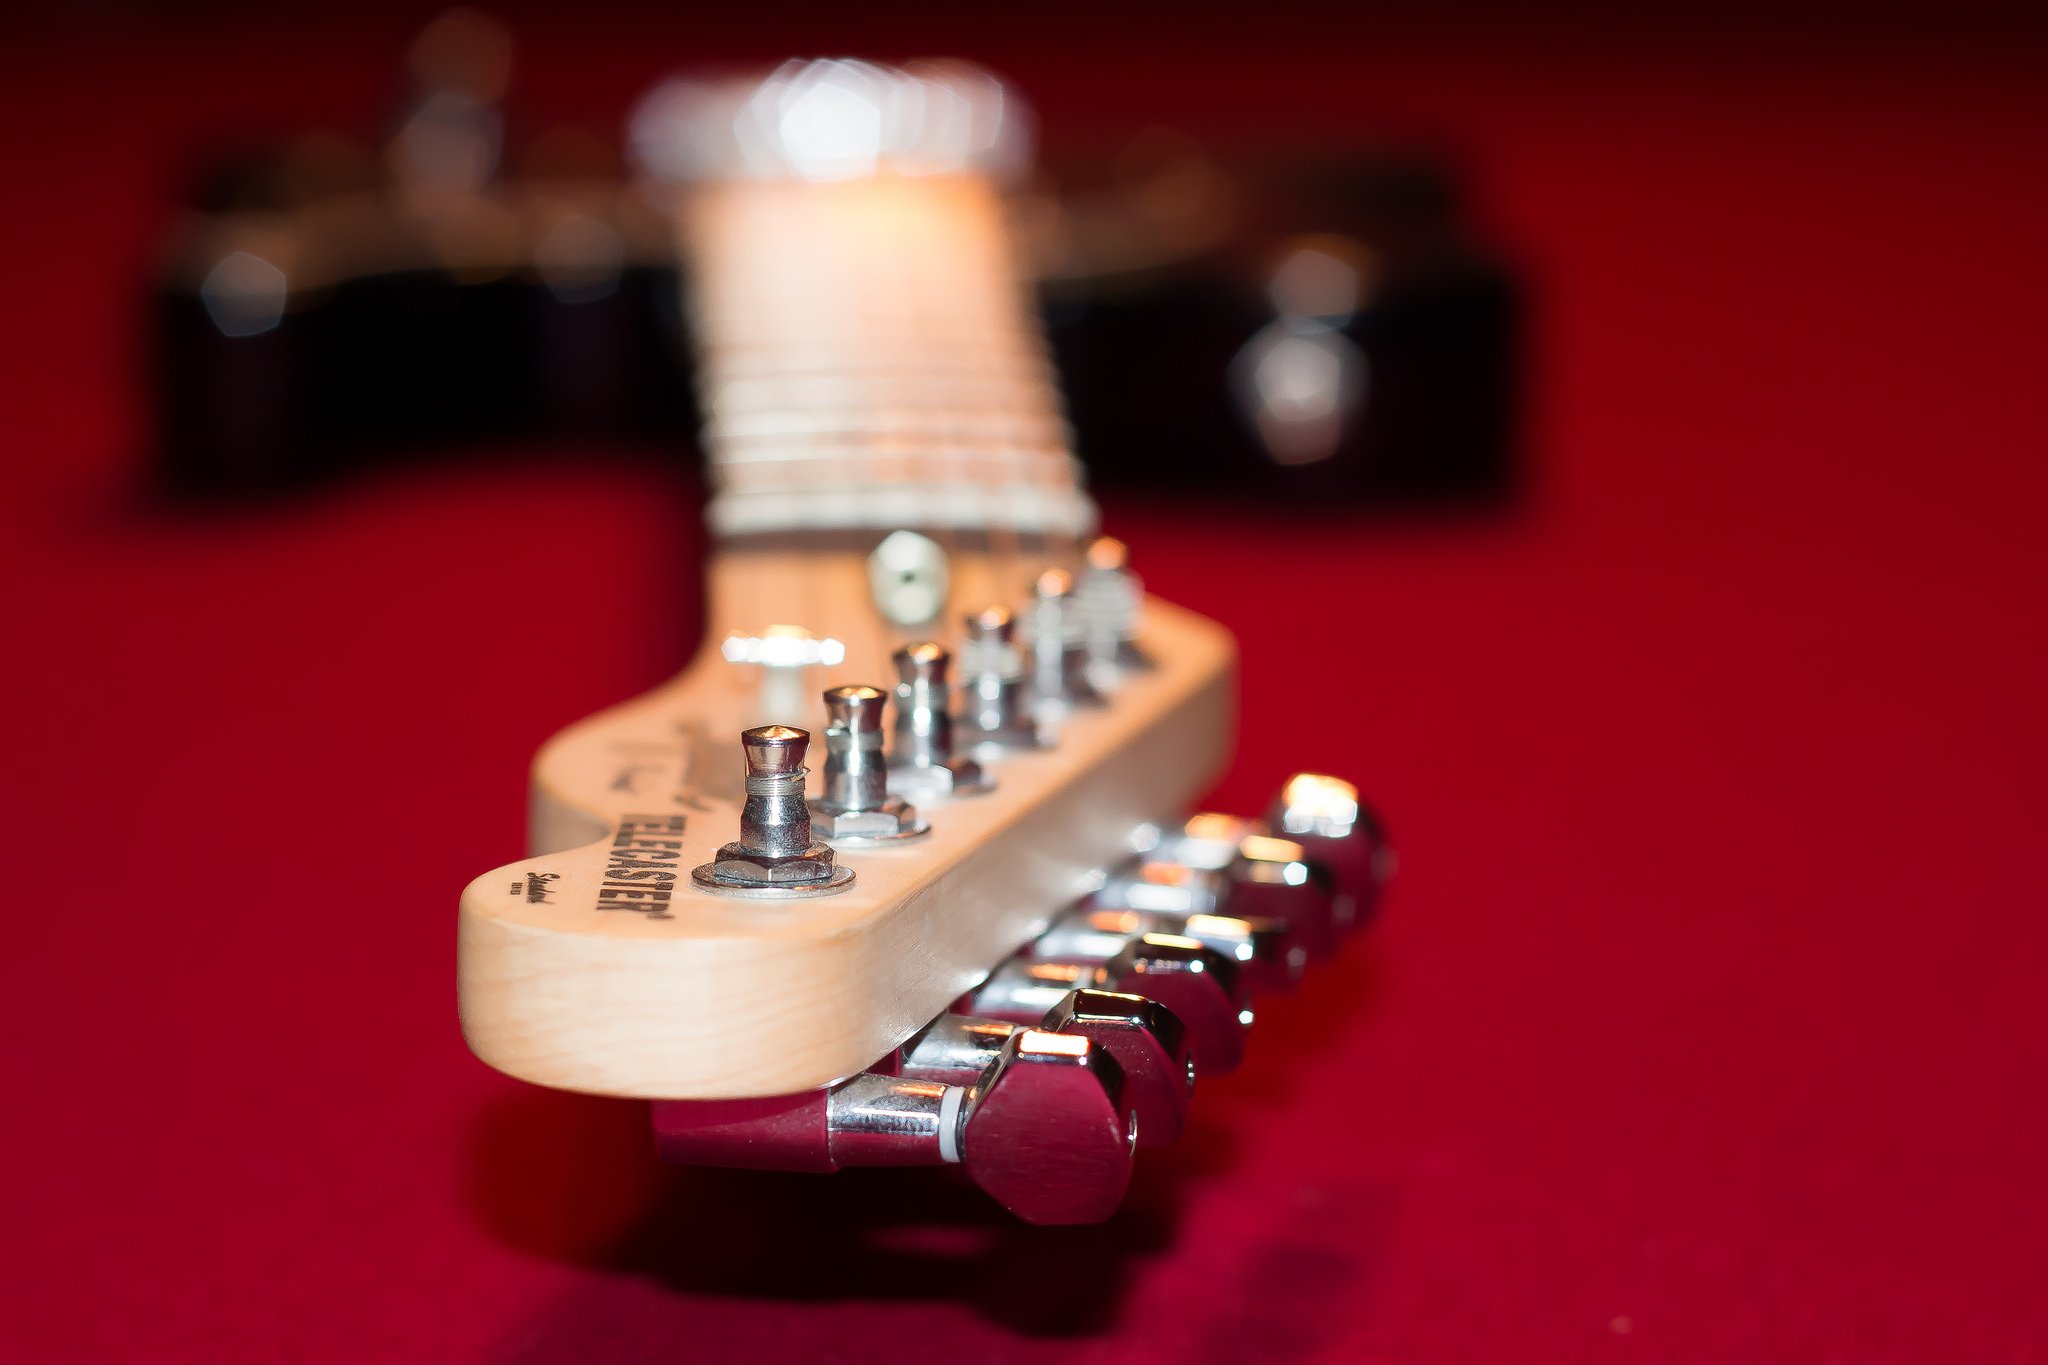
(868, 361)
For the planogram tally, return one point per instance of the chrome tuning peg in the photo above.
(856, 807)
(1197, 983)
(1108, 597)
(1049, 1132)
(1206, 841)
(1058, 652)
(1144, 1036)
(993, 715)
(776, 855)
(1045, 1128)
(1218, 864)
(921, 762)
(1335, 829)
(1267, 957)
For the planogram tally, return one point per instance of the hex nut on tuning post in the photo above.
(856, 807)
(776, 856)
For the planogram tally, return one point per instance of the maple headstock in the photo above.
(976, 934)
(599, 965)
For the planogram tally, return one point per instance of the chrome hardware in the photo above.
(992, 710)
(1045, 1127)
(890, 1121)
(1108, 597)
(1267, 957)
(776, 855)
(1082, 1045)
(1050, 1134)
(1151, 1044)
(1214, 866)
(1143, 1035)
(1313, 804)
(1199, 985)
(955, 1048)
(785, 655)
(856, 807)
(1208, 841)
(1162, 888)
(1324, 815)
(1196, 983)
(1058, 653)
(1276, 877)
(921, 763)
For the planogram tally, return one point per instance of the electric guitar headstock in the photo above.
(890, 874)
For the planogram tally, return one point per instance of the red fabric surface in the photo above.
(1705, 1023)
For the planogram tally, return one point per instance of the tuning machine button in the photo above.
(1049, 1134)
(993, 715)
(921, 763)
(776, 856)
(1275, 879)
(1144, 1036)
(1197, 983)
(855, 807)
(1045, 1127)
(1324, 815)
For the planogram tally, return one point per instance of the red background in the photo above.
(1705, 1024)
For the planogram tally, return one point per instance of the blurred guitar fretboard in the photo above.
(866, 361)
(868, 352)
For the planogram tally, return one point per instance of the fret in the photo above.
(1039, 431)
(942, 507)
(802, 475)
(857, 394)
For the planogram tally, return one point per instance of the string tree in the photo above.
(909, 578)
